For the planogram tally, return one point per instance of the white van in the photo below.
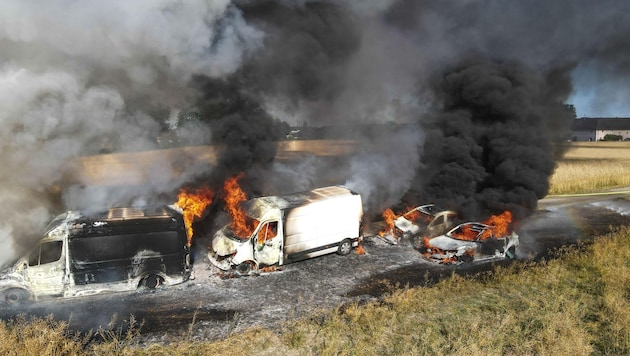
(291, 228)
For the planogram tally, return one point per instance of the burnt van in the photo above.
(117, 250)
(291, 228)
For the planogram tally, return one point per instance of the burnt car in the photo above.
(425, 220)
(468, 242)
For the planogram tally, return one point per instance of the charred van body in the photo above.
(116, 250)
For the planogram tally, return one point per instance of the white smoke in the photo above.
(384, 170)
(75, 75)
(208, 37)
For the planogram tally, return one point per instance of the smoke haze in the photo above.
(75, 76)
(478, 88)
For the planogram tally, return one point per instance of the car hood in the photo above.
(446, 243)
(405, 225)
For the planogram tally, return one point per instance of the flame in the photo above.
(269, 269)
(501, 224)
(267, 232)
(193, 204)
(500, 228)
(434, 250)
(388, 217)
(234, 197)
(414, 215)
(466, 233)
(360, 250)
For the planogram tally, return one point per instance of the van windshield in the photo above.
(227, 231)
(247, 229)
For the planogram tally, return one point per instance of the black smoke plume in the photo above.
(490, 146)
(243, 132)
(476, 133)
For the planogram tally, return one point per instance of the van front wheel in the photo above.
(345, 247)
(245, 268)
(13, 296)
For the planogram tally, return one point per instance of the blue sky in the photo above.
(597, 94)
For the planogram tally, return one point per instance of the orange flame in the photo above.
(389, 217)
(360, 250)
(414, 215)
(434, 250)
(501, 224)
(267, 232)
(193, 204)
(466, 233)
(234, 197)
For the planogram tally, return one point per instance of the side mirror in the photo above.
(21, 265)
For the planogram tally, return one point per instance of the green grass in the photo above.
(576, 304)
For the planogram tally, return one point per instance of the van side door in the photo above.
(46, 269)
(268, 244)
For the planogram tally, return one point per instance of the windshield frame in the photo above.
(57, 221)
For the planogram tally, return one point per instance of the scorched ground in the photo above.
(222, 306)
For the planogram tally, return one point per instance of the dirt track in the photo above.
(221, 306)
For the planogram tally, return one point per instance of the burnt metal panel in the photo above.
(123, 243)
(110, 258)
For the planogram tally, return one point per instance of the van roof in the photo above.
(128, 213)
(257, 207)
(315, 195)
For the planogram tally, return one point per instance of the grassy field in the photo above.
(576, 304)
(592, 166)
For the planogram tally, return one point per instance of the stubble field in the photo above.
(592, 166)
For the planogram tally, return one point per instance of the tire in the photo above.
(152, 281)
(14, 296)
(511, 252)
(466, 258)
(245, 268)
(345, 247)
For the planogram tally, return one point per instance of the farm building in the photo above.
(595, 129)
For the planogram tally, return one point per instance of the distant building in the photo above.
(596, 128)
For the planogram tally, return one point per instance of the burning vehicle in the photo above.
(281, 229)
(423, 220)
(471, 241)
(116, 250)
(426, 220)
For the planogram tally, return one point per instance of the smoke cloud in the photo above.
(469, 95)
(76, 77)
(489, 148)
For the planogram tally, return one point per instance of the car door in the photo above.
(268, 244)
(46, 269)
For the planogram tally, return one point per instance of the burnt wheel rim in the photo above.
(14, 296)
(244, 268)
(345, 248)
(152, 281)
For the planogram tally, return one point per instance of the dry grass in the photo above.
(592, 166)
(577, 304)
